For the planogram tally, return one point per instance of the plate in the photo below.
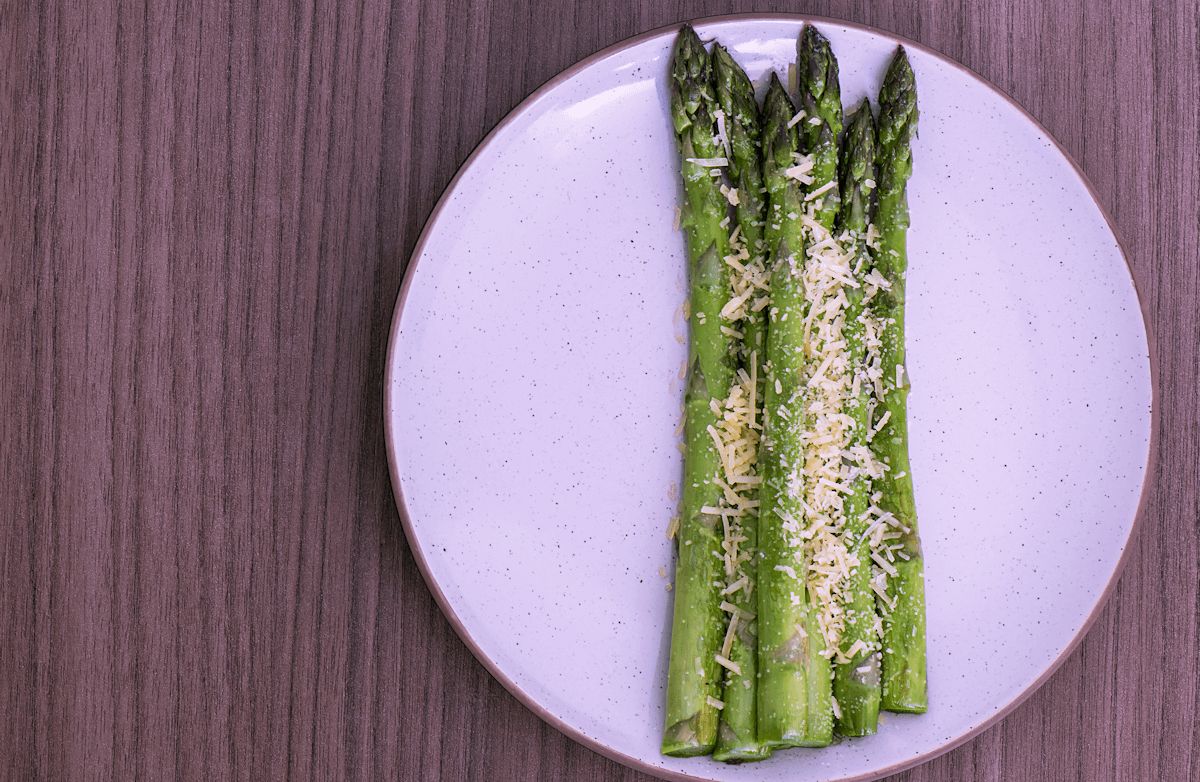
(534, 386)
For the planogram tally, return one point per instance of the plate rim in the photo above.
(390, 435)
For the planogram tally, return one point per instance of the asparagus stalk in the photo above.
(738, 734)
(904, 681)
(818, 135)
(788, 635)
(856, 678)
(694, 677)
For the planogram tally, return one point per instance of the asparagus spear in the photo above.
(694, 676)
(856, 679)
(904, 682)
(738, 734)
(788, 635)
(820, 128)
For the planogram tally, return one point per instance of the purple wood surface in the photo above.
(205, 214)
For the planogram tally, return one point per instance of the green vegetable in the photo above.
(856, 682)
(794, 686)
(738, 735)
(694, 679)
(818, 134)
(904, 680)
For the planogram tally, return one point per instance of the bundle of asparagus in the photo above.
(799, 591)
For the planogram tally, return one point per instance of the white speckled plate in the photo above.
(533, 391)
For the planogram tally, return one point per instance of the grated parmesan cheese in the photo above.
(830, 465)
(735, 437)
(820, 191)
(722, 137)
(728, 664)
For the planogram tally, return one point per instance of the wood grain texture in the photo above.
(205, 213)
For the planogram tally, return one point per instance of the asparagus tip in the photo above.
(776, 93)
(688, 47)
(812, 37)
(689, 78)
(815, 60)
(898, 102)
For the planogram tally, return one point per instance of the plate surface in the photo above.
(534, 388)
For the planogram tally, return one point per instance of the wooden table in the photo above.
(206, 212)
